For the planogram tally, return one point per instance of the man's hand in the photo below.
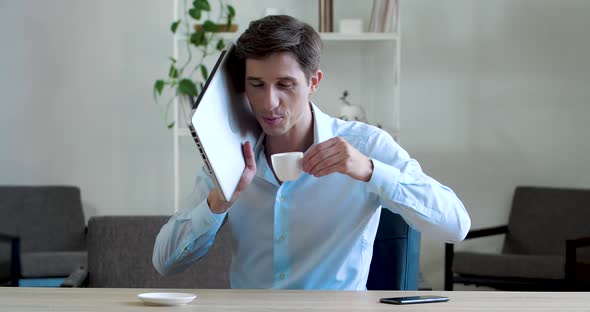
(217, 204)
(337, 155)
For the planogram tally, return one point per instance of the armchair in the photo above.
(396, 255)
(42, 234)
(543, 250)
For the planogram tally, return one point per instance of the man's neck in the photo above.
(298, 139)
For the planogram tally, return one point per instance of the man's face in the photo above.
(278, 92)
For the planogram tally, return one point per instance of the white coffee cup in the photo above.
(287, 166)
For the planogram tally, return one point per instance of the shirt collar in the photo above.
(322, 125)
(322, 131)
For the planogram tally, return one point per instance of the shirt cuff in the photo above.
(204, 219)
(384, 180)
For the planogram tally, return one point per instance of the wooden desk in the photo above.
(121, 300)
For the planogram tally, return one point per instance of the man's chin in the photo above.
(272, 131)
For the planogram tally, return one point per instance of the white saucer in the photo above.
(168, 299)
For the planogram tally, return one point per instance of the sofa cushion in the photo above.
(58, 263)
(509, 265)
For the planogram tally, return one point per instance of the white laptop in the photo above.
(222, 120)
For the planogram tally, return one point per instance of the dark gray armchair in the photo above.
(42, 234)
(546, 245)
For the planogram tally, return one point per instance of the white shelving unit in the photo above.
(366, 64)
(176, 133)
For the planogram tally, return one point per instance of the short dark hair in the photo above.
(281, 33)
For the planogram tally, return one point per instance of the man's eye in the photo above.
(285, 85)
(256, 85)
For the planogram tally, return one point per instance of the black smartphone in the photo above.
(414, 299)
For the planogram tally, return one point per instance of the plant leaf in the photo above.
(209, 26)
(173, 60)
(173, 72)
(198, 38)
(170, 125)
(195, 13)
(204, 72)
(231, 11)
(220, 45)
(195, 38)
(174, 26)
(205, 41)
(187, 87)
(202, 5)
(158, 87)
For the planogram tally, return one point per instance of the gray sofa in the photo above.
(42, 234)
(120, 255)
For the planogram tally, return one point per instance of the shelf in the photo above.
(366, 36)
(224, 35)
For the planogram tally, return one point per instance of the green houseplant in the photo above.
(186, 77)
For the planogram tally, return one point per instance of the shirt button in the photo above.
(281, 239)
(282, 276)
(207, 223)
(282, 198)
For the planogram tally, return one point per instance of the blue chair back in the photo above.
(396, 255)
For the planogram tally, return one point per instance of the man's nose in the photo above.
(271, 99)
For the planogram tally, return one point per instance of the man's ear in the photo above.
(314, 81)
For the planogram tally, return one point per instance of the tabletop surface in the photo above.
(125, 299)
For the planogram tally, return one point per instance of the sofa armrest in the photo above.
(8, 237)
(502, 229)
(78, 278)
(578, 242)
(571, 247)
(14, 256)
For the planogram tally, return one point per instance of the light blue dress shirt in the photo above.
(313, 233)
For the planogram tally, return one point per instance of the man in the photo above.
(316, 232)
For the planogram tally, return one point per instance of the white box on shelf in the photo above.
(351, 26)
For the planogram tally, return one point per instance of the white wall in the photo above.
(76, 100)
(494, 95)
